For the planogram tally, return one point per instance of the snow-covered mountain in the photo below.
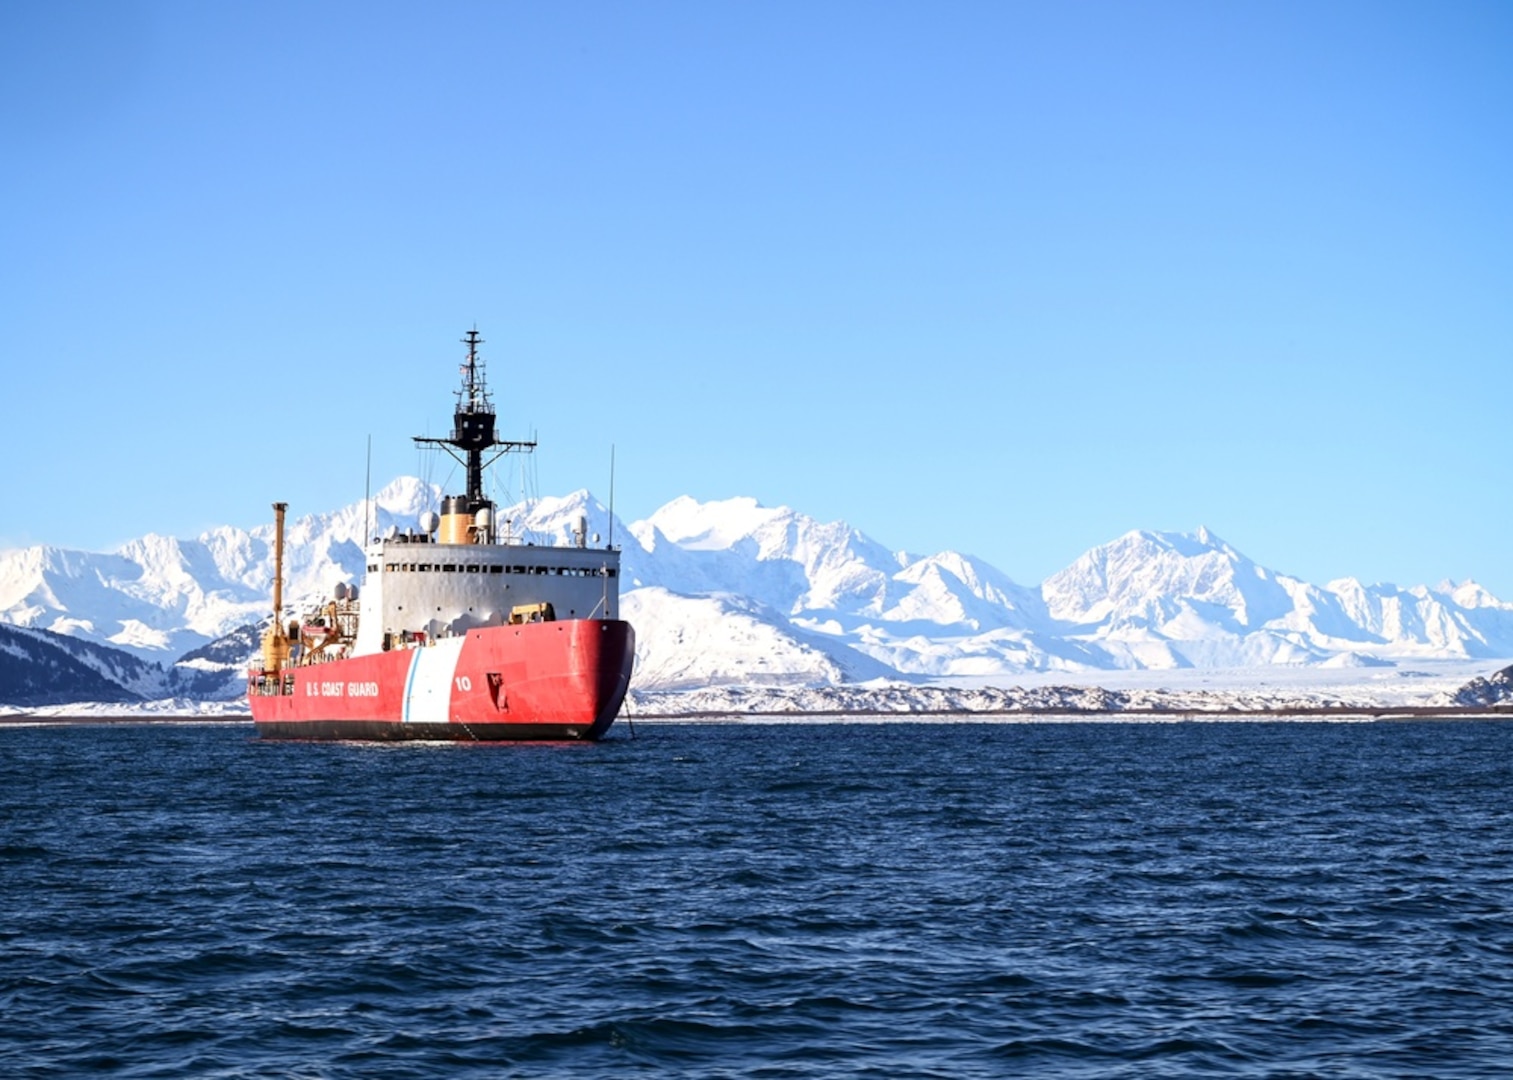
(159, 597)
(39, 667)
(733, 593)
(721, 639)
(1179, 600)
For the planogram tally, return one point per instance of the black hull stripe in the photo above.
(383, 731)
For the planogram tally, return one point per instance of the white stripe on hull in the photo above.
(428, 687)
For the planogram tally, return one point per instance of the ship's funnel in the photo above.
(456, 521)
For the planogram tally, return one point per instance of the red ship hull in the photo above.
(545, 680)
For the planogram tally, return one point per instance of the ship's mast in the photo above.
(473, 426)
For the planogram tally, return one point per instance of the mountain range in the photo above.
(733, 593)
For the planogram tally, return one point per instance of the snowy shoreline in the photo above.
(1433, 691)
(1106, 716)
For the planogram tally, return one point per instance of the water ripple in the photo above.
(1058, 900)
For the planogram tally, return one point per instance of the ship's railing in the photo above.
(270, 683)
(314, 659)
(407, 639)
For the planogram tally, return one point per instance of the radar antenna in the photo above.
(473, 426)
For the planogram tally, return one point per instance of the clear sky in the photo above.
(1006, 279)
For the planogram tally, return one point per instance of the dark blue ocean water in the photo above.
(932, 900)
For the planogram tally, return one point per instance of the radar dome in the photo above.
(429, 522)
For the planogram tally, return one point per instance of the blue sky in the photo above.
(1008, 279)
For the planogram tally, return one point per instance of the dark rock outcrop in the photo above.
(38, 667)
(217, 670)
(1495, 689)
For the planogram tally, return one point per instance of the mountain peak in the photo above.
(717, 524)
(405, 491)
(1154, 543)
